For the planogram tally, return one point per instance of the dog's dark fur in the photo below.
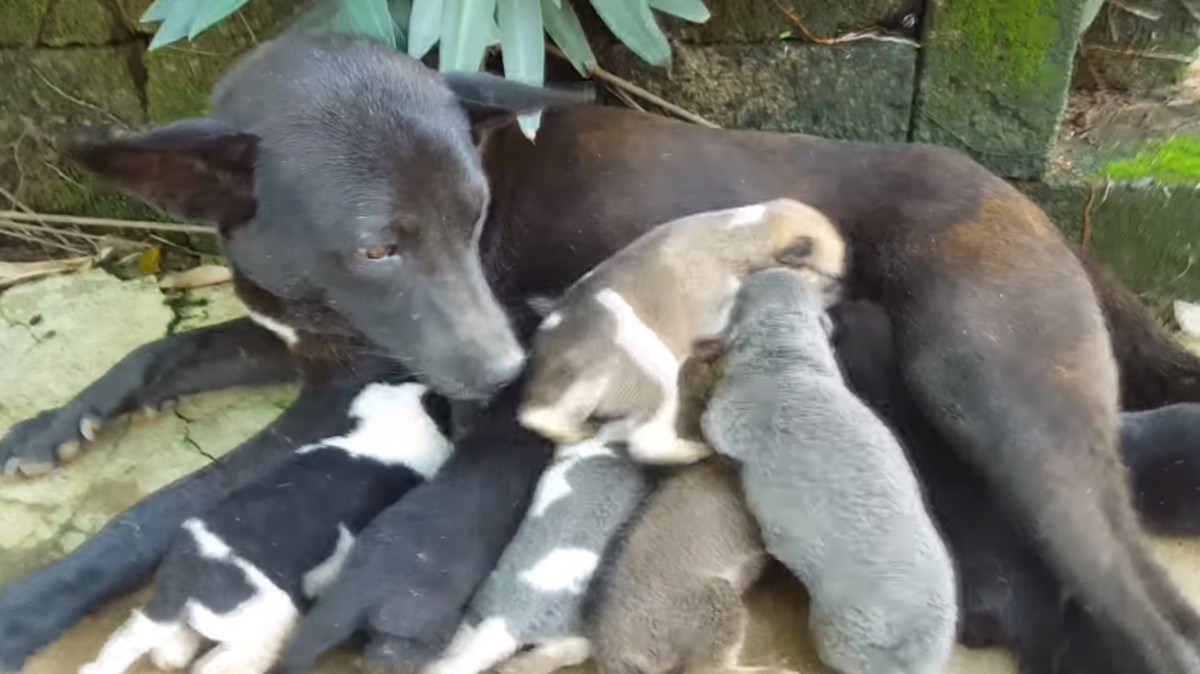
(1008, 595)
(348, 190)
(413, 570)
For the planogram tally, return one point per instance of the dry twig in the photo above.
(107, 222)
(630, 88)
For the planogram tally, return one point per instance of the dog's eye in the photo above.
(383, 250)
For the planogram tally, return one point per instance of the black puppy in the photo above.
(1008, 595)
(407, 581)
(240, 574)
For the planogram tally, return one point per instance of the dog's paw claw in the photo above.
(35, 446)
(88, 428)
(67, 451)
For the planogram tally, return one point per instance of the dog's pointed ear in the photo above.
(197, 169)
(491, 101)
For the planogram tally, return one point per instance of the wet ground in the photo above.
(59, 334)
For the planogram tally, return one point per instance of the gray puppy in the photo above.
(535, 595)
(831, 487)
(671, 599)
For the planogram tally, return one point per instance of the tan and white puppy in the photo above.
(606, 358)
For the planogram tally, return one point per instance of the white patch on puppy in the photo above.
(552, 321)
(475, 649)
(553, 485)
(319, 578)
(393, 429)
(284, 332)
(563, 570)
(747, 215)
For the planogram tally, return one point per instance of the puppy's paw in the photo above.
(37, 445)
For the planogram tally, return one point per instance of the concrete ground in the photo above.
(59, 334)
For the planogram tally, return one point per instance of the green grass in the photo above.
(1173, 161)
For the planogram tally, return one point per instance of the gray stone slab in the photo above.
(856, 92)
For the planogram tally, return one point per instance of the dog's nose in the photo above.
(501, 371)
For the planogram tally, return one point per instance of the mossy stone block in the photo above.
(995, 79)
(82, 22)
(20, 21)
(1147, 234)
(1138, 52)
(180, 76)
(860, 92)
(759, 21)
(47, 95)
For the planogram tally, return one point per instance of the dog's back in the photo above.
(831, 487)
(671, 596)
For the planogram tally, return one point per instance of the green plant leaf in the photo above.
(633, 24)
(157, 11)
(424, 26)
(400, 10)
(564, 28)
(467, 28)
(212, 12)
(688, 10)
(367, 17)
(522, 40)
(175, 25)
(523, 45)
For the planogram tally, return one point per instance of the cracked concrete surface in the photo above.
(59, 334)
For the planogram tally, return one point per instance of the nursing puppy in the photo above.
(606, 359)
(407, 581)
(535, 596)
(831, 488)
(239, 575)
(671, 598)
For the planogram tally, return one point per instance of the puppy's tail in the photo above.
(335, 617)
(1155, 368)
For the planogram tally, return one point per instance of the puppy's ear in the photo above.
(491, 101)
(542, 305)
(198, 169)
(798, 254)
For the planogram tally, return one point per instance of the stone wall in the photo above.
(71, 64)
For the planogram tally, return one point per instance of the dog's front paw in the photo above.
(35, 446)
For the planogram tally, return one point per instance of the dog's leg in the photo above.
(237, 353)
(1042, 432)
(176, 650)
(38, 608)
(477, 649)
(138, 636)
(549, 657)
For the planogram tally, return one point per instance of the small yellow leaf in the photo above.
(148, 261)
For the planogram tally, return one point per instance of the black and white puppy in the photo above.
(239, 575)
(408, 579)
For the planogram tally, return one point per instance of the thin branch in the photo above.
(108, 222)
(78, 101)
(91, 238)
(16, 234)
(1156, 55)
(625, 98)
(858, 36)
(630, 88)
(16, 201)
(1085, 238)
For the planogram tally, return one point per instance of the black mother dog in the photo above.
(361, 217)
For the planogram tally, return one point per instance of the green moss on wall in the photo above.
(1007, 38)
(20, 21)
(72, 22)
(1173, 161)
(995, 79)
